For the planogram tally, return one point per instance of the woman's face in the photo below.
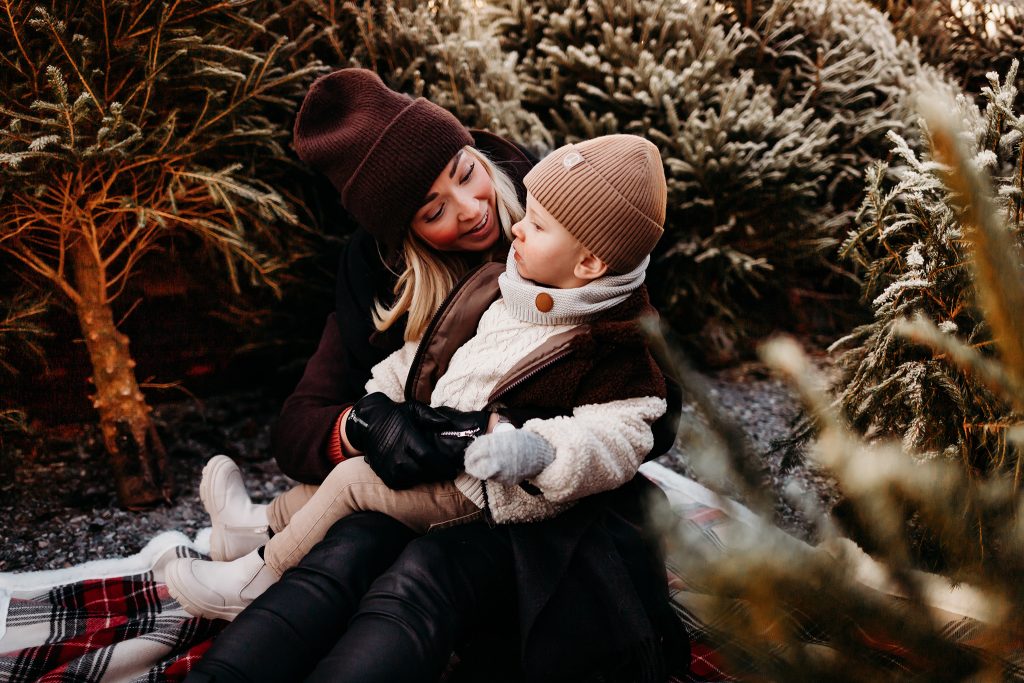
(459, 212)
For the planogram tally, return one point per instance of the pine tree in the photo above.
(444, 50)
(744, 172)
(126, 126)
(764, 112)
(965, 40)
(910, 242)
(843, 60)
(784, 610)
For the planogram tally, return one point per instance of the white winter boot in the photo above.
(239, 526)
(218, 590)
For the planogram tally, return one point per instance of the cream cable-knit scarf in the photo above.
(571, 306)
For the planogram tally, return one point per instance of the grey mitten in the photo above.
(508, 457)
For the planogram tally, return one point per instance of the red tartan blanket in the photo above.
(113, 620)
(121, 625)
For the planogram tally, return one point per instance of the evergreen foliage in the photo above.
(126, 127)
(909, 241)
(764, 113)
(444, 50)
(19, 342)
(966, 39)
(734, 156)
(844, 61)
(878, 617)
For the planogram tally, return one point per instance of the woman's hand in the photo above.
(452, 430)
(396, 444)
(413, 443)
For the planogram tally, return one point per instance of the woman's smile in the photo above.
(481, 228)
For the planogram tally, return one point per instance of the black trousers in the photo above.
(446, 589)
(371, 604)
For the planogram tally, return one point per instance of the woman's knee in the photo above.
(355, 551)
(459, 569)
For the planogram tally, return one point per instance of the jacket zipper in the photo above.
(522, 378)
(461, 434)
(475, 431)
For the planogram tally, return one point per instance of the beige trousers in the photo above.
(302, 516)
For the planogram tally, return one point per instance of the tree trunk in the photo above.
(136, 454)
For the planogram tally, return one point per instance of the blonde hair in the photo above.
(429, 275)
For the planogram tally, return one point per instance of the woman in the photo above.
(409, 173)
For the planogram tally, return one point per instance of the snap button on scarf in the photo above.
(544, 302)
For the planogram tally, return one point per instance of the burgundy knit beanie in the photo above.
(609, 193)
(381, 149)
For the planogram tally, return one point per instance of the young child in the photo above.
(553, 332)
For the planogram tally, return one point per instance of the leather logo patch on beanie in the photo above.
(609, 193)
(572, 159)
(381, 149)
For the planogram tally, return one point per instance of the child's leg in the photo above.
(351, 487)
(283, 508)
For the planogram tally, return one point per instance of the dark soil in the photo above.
(58, 507)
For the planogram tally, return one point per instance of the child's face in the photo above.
(546, 252)
(459, 212)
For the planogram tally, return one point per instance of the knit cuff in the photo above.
(335, 450)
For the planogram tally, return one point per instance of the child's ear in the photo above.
(589, 267)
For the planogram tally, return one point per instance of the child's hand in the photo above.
(508, 457)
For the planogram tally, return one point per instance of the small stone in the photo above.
(43, 544)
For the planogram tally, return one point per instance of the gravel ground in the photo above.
(766, 410)
(58, 507)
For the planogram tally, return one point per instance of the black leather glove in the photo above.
(452, 430)
(395, 445)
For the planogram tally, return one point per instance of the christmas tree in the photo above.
(765, 114)
(125, 127)
(784, 610)
(910, 243)
(965, 39)
(445, 50)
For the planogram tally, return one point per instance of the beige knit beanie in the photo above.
(609, 193)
